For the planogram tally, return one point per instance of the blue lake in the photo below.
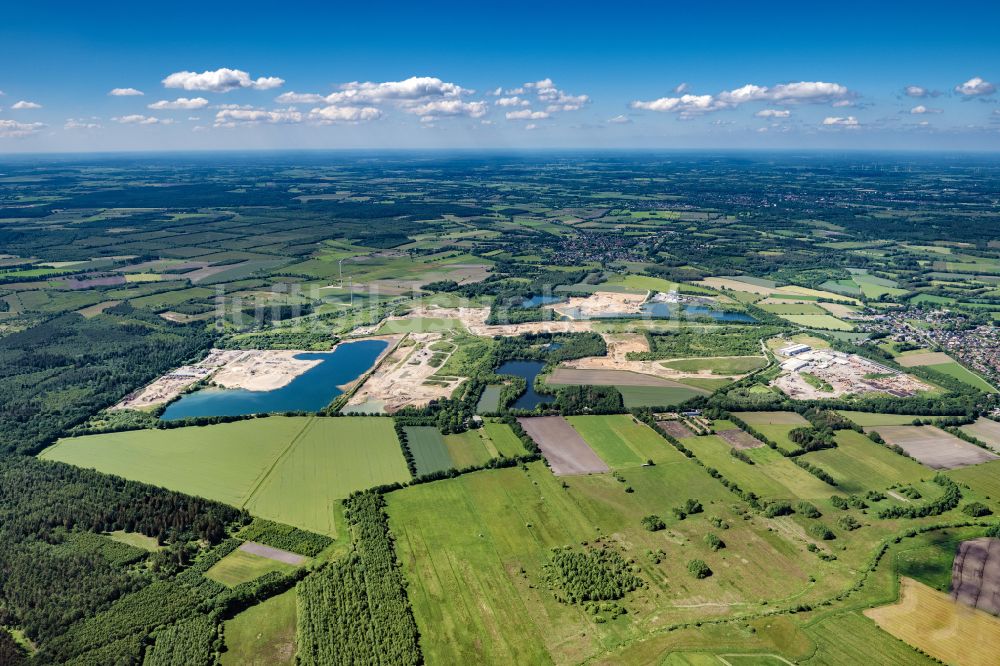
(529, 370)
(535, 301)
(311, 391)
(660, 310)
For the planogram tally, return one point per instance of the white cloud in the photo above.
(412, 89)
(300, 98)
(802, 92)
(425, 96)
(526, 114)
(73, 123)
(12, 129)
(138, 119)
(531, 126)
(916, 91)
(512, 101)
(241, 116)
(840, 103)
(345, 114)
(544, 84)
(685, 104)
(837, 121)
(220, 81)
(773, 113)
(125, 92)
(448, 107)
(620, 119)
(921, 109)
(681, 88)
(496, 92)
(24, 105)
(975, 87)
(180, 103)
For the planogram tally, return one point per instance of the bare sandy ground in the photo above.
(986, 430)
(263, 370)
(400, 380)
(562, 446)
(601, 303)
(167, 387)
(934, 447)
(929, 358)
(675, 429)
(271, 553)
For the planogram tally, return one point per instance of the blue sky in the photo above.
(499, 75)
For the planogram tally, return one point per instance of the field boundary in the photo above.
(274, 464)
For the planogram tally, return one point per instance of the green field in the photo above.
(419, 325)
(428, 448)
(472, 447)
(489, 401)
(618, 439)
(289, 469)
(983, 478)
(866, 419)
(263, 634)
(773, 477)
(240, 566)
(858, 464)
(473, 549)
(506, 442)
(656, 396)
(963, 374)
(726, 365)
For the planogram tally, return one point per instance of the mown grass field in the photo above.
(240, 566)
(419, 325)
(656, 396)
(723, 365)
(866, 419)
(262, 635)
(472, 447)
(506, 442)
(964, 375)
(289, 469)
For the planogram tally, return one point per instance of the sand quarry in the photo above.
(404, 378)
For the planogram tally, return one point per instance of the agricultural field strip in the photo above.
(562, 445)
(271, 553)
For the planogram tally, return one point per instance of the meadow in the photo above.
(240, 566)
(263, 634)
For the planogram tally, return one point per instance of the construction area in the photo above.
(814, 374)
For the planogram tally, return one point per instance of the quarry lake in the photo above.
(662, 310)
(311, 391)
(529, 370)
